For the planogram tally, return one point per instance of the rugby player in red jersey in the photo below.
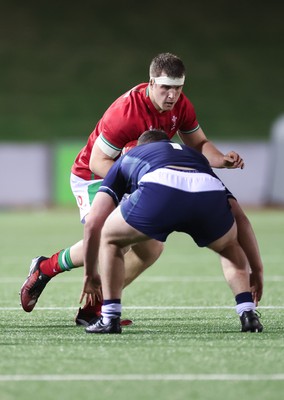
(157, 104)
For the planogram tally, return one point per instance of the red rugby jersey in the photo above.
(127, 118)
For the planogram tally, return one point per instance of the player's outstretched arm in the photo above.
(216, 158)
(102, 206)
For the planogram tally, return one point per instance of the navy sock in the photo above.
(106, 302)
(244, 297)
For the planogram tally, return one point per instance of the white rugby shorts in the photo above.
(84, 192)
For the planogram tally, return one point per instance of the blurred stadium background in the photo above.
(62, 64)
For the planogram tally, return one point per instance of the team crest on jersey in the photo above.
(174, 122)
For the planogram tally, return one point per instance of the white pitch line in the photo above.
(150, 279)
(142, 377)
(146, 308)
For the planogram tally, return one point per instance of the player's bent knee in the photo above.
(148, 251)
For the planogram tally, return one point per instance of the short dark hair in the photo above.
(154, 135)
(168, 63)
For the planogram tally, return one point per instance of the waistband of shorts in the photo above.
(180, 169)
(182, 180)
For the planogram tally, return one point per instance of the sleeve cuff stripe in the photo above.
(192, 130)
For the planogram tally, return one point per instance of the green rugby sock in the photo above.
(64, 260)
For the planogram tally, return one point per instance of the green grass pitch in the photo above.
(185, 341)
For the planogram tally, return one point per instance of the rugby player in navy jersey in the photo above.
(171, 188)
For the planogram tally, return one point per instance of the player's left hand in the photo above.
(92, 289)
(233, 160)
(256, 285)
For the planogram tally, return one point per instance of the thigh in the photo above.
(230, 237)
(116, 230)
(149, 250)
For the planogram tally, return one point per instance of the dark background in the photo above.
(63, 63)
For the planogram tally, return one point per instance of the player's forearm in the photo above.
(213, 155)
(91, 250)
(199, 142)
(102, 206)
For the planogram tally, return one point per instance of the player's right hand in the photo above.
(233, 160)
(91, 289)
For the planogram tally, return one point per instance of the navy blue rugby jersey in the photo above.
(125, 174)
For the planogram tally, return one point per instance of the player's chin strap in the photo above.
(168, 81)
